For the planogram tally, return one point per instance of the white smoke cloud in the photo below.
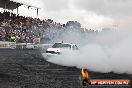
(93, 14)
(105, 52)
(106, 7)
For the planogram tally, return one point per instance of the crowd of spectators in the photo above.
(21, 29)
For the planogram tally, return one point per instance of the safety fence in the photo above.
(14, 45)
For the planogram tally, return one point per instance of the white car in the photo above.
(59, 48)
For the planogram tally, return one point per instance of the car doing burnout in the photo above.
(59, 48)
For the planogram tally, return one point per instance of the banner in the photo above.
(5, 44)
(25, 46)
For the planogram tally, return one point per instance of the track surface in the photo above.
(28, 69)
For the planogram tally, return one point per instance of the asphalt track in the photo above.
(28, 69)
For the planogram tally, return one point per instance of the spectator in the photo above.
(24, 29)
(13, 38)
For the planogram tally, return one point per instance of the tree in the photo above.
(73, 24)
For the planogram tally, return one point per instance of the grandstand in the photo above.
(15, 28)
(23, 30)
(28, 31)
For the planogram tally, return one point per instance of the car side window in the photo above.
(75, 47)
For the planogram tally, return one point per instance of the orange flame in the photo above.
(84, 73)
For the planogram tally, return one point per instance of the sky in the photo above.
(92, 14)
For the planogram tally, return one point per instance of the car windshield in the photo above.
(60, 45)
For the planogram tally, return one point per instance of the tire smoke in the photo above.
(106, 51)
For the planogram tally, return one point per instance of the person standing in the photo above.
(13, 38)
